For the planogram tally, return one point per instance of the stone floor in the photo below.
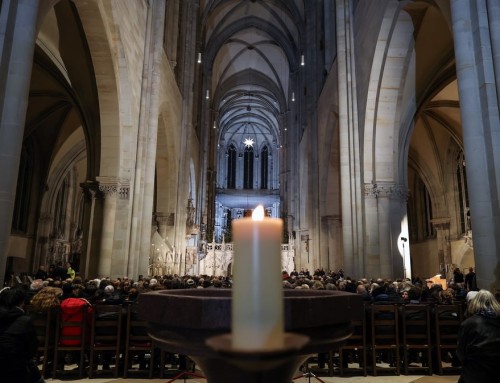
(298, 379)
(335, 379)
(385, 377)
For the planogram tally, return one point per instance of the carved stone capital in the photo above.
(114, 187)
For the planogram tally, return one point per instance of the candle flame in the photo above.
(258, 213)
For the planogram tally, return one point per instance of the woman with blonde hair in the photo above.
(479, 340)
(46, 299)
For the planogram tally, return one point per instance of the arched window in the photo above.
(248, 168)
(264, 167)
(231, 167)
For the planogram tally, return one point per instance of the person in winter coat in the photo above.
(479, 340)
(71, 311)
(18, 341)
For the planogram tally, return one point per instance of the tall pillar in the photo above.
(43, 234)
(190, 14)
(494, 22)
(158, 9)
(143, 182)
(335, 259)
(476, 57)
(399, 235)
(350, 160)
(17, 44)
(109, 189)
(386, 225)
(92, 224)
(372, 247)
(383, 228)
(162, 219)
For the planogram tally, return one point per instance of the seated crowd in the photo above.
(51, 289)
(125, 290)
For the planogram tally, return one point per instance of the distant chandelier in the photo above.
(248, 142)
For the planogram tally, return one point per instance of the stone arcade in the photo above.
(133, 132)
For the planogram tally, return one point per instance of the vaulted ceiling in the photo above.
(250, 48)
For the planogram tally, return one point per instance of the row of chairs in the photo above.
(401, 333)
(109, 335)
(114, 335)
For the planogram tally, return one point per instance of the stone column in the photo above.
(383, 193)
(43, 233)
(385, 211)
(112, 259)
(91, 228)
(398, 218)
(109, 189)
(143, 183)
(190, 14)
(162, 219)
(442, 226)
(335, 259)
(350, 161)
(494, 22)
(17, 43)
(372, 246)
(476, 60)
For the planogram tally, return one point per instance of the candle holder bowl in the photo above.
(181, 321)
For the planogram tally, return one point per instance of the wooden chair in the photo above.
(356, 344)
(447, 319)
(416, 335)
(105, 337)
(137, 342)
(385, 336)
(168, 361)
(44, 322)
(65, 342)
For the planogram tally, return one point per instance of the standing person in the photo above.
(51, 272)
(41, 273)
(479, 340)
(60, 272)
(470, 280)
(458, 276)
(69, 271)
(18, 341)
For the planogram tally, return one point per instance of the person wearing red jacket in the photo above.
(71, 311)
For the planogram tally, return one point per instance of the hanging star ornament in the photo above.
(248, 142)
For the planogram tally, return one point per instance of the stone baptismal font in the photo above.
(181, 321)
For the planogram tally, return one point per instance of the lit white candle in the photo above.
(257, 304)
